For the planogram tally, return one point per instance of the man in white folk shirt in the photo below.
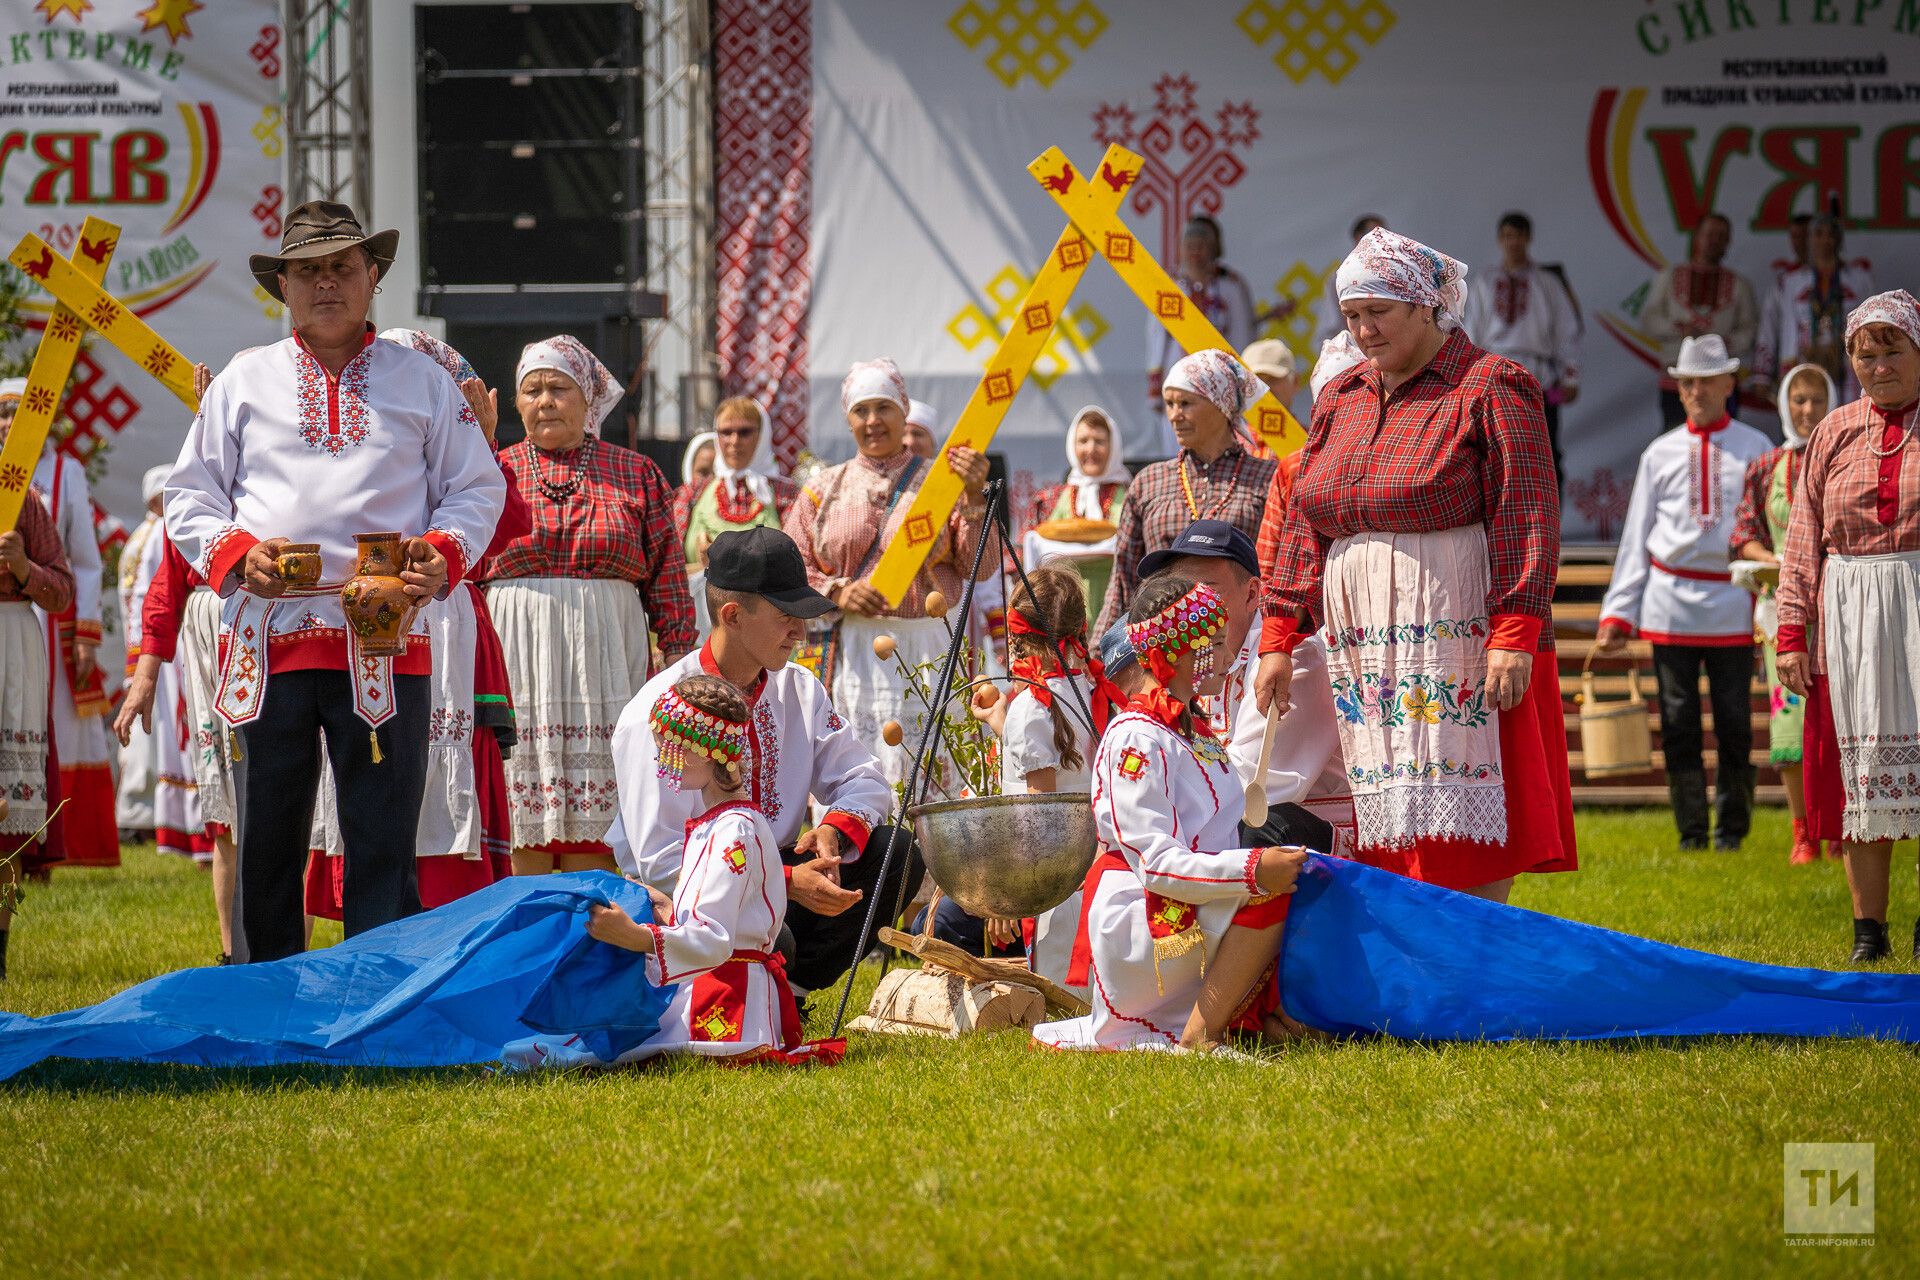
(1672, 586)
(798, 746)
(316, 438)
(1525, 312)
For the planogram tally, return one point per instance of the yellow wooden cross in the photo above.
(1094, 228)
(1278, 429)
(80, 304)
(1007, 369)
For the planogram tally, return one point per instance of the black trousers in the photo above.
(1729, 686)
(379, 805)
(825, 947)
(952, 924)
(1289, 824)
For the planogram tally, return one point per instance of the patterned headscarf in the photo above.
(1895, 307)
(1337, 355)
(873, 380)
(435, 350)
(1215, 376)
(564, 353)
(1386, 264)
(12, 388)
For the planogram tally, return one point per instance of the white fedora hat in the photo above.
(1703, 357)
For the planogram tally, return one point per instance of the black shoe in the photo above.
(1732, 805)
(1687, 791)
(224, 959)
(1869, 942)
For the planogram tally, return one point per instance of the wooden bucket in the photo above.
(1616, 739)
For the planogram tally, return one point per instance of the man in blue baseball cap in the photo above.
(1220, 555)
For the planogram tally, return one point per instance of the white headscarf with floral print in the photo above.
(564, 353)
(434, 349)
(1895, 307)
(1218, 378)
(873, 380)
(1386, 264)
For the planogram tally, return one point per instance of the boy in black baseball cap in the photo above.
(759, 599)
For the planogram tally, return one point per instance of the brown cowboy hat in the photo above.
(314, 230)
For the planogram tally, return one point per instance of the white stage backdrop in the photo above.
(163, 117)
(1613, 123)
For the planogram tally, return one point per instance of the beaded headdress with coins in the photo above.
(1195, 622)
(685, 729)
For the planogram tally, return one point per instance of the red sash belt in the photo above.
(1691, 575)
(791, 1028)
(1079, 964)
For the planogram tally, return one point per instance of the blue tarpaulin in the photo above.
(450, 986)
(1366, 952)
(1369, 951)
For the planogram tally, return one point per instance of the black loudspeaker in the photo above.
(530, 184)
(529, 148)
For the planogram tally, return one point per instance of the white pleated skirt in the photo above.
(23, 718)
(576, 652)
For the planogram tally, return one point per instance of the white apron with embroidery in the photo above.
(1869, 605)
(199, 658)
(449, 804)
(1407, 659)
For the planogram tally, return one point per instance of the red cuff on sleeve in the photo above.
(1631, 630)
(229, 553)
(659, 951)
(1792, 638)
(1263, 912)
(449, 546)
(1516, 631)
(1279, 635)
(855, 831)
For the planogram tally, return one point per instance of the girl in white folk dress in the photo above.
(1169, 879)
(716, 939)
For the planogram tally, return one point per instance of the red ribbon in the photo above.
(1037, 670)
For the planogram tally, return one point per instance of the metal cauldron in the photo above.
(1008, 856)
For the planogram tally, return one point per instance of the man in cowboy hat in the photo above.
(315, 439)
(1671, 586)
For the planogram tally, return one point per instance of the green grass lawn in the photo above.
(982, 1157)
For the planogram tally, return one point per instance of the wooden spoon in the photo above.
(1256, 812)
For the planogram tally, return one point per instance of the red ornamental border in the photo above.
(763, 144)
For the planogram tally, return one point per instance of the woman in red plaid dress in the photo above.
(574, 601)
(1423, 540)
(1849, 599)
